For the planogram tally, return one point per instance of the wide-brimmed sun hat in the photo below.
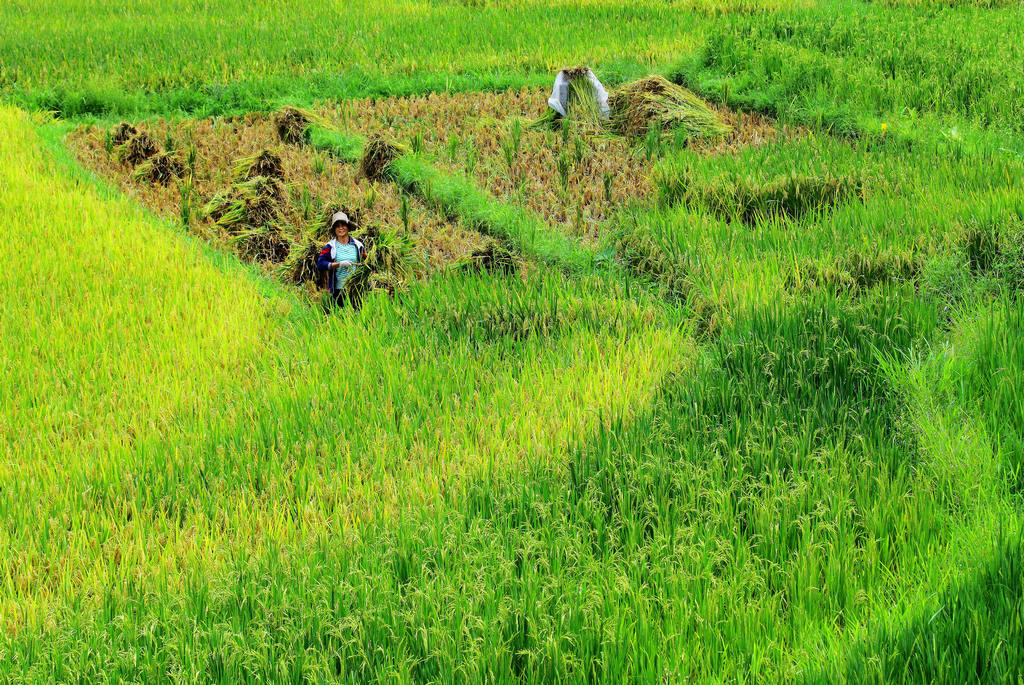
(340, 217)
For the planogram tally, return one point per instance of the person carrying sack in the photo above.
(339, 258)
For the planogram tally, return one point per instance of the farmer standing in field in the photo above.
(339, 258)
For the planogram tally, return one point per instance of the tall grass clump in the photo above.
(344, 147)
(781, 179)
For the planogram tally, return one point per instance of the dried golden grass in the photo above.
(468, 132)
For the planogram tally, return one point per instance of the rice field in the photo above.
(313, 181)
(733, 403)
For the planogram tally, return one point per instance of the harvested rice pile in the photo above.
(251, 194)
(122, 132)
(266, 163)
(162, 168)
(655, 102)
(268, 243)
(254, 203)
(377, 155)
(291, 125)
(137, 148)
(581, 106)
(495, 256)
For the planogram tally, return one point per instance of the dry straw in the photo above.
(377, 157)
(654, 102)
(292, 125)
(161, 168)
(264, 163)
(137, 148)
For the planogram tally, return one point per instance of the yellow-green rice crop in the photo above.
(758, 434)
(166, 411)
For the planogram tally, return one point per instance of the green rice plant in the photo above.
(304, 201)
(785, 446)
(472, 157)
(344, 147)
(510, 145)
(187, 198)
(652, 142)
(578, 150)
(786, 66)
(191, 159)
(757, 184)
(563, 171)
(370, 197)
(453, 147)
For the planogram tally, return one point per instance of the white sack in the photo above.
(560, 94)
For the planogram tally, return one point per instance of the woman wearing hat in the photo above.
(339, 257)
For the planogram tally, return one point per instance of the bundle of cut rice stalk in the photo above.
(253, 203)
(292, 124)
(581, 104)
(122, 132)
(494, 257)
(265, 163)
(137, 148)
(656, 102)
(162, 168)
(266, 243)
(391, 264)
(377, 157)
(299, 265)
